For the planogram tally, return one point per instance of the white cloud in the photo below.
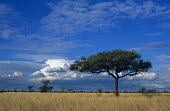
(148, 75)
(59, 69)
(59, 63)
(16, 74)
(38, 74)
(56, 69)
(71, 17)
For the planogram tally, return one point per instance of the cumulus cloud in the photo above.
(59, 69)
(76, 16)
(56, 69)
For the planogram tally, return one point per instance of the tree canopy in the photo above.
(45, 86)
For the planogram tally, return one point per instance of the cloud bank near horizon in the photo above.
(58, 69)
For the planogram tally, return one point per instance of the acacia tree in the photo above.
(70, 90)
(45, 87)
(117, 63)
(30, 88)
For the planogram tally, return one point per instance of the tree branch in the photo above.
(117, 75)
(128, 75)
(111, 74)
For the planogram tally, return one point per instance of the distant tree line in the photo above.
(45, 88)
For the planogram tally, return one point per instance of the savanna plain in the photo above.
(83, 102)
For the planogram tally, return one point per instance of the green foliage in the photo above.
(70, 90)
(45, 82)
(45, 88)
(99, 90)
(142, 90)
(115, 61)
(165, 91)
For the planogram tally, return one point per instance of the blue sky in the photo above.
(41, 38)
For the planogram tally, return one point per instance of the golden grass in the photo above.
(82, 102)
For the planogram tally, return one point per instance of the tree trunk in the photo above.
(116, 87)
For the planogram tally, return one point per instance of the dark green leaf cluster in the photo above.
(45, 82)
(45, 87)
(113, 62)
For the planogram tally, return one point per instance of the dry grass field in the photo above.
(82, 102)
